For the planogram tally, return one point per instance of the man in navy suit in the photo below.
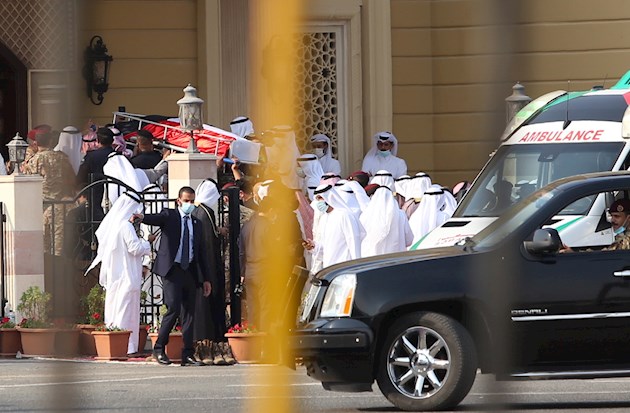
(93, 165)
(181, 264)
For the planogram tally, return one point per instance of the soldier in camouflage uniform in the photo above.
(620, 214)
(58, 185)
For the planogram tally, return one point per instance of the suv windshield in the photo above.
(516, 171)
(496, 232)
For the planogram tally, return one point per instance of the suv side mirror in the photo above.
(545, 241)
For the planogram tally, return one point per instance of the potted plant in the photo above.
(144, 328)
(94, 308)
(36, 332)
(175, 339)
(10, 342)
(111, 342)
(246, 342)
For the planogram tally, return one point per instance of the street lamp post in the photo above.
(190, 115)
(17, 151)
(516, 101)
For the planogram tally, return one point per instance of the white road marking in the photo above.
(333, 395)
(65, 383)
(548, 393)
(270, 385)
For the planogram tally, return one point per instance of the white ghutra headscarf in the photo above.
(430, 213)
(329, 164)
(242, 126)
(70, 143)
(313, 173)
(386, 226)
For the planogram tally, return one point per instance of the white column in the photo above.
(24, 248)
(189, 169)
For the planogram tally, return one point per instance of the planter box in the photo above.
(10, 342)
(86, 339)
(111, 345)
(246, 347)
(67, 342)
(38, 341)
(174, 346)
(142, 338)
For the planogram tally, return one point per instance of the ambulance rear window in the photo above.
(603, 108)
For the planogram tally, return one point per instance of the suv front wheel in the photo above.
(428, 362)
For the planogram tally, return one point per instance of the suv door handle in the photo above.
(624, 273)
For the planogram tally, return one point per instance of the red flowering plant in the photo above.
(94, 306)
(244, 328)
(5, 322)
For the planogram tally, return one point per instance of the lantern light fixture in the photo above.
(17, 151)
(190, 117)
(96, 69)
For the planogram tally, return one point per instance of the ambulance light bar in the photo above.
(528, 111)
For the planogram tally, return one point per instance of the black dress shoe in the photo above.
(162, 358)
(190, 361)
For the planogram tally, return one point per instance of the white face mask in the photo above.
(300, 172)
(319, 152)
(322, 206)
(385, 154)
(187, 207)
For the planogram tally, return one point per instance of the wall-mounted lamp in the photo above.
(190, 115)
(96, 69)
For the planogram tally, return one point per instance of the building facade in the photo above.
(434, 72)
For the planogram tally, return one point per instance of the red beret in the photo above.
(37, 129)
(359, 173)
(371, 188)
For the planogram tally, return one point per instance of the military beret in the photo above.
(620, 205)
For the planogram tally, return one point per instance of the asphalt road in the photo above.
(44, 386)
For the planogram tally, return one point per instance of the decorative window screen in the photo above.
(317, 89)
(39, 32)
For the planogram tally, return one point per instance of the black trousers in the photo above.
(179, 289)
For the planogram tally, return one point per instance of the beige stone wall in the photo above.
(455, 61)
(154, 46)
(447, 85)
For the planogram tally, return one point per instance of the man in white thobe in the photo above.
(382, 156)
(70, 143)
(386, 226)
(430, 214)
(120, 252)
(338, 236)
(323, 150)
(311, 173)
(384, 178)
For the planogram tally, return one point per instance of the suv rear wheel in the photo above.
(428, 362)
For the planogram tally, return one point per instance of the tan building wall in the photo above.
(455, 61)
(154, 46)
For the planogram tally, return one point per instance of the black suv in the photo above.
(505, 301)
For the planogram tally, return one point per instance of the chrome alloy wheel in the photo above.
(418, 362)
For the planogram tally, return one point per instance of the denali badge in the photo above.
(532, 311)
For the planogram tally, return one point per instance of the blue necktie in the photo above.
(185, 245)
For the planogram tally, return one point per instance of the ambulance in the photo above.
(557, 135)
